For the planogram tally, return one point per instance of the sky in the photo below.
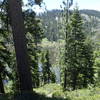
(82, 4)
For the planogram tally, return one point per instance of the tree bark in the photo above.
(18, 29)
(65, 78)
(1, 85)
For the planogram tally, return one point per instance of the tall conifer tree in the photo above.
(76, 53)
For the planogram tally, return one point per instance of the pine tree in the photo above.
(46, 67)
(5, 54)
(34, 37)
(88, 69)
(75, 55)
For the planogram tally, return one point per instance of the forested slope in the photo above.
(52, 20)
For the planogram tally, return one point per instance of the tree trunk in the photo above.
(65, 78)
(74, 76)
(18, 29)
(74, 82)
(1, 85)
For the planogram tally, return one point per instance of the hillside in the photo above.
(52, 20)
(90, 12)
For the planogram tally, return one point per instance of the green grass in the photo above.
(48, 89)
(55, 92)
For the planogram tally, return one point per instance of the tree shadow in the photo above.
(35, 96)
(28, 96)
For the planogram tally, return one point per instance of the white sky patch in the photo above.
(35, 8)
(88, 4)
(55, 4)
(25, 1)
(38, 9)
(83, 4)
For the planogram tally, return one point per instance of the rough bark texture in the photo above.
(18, 29)
(1, 85)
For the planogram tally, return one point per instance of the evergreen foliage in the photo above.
(78, 54)
(34, 38)
(61, 49)
(48, 75)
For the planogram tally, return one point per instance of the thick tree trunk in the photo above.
(65, 78)
(1, 85)
(18, 29)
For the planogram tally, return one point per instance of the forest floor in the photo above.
(55, 92)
